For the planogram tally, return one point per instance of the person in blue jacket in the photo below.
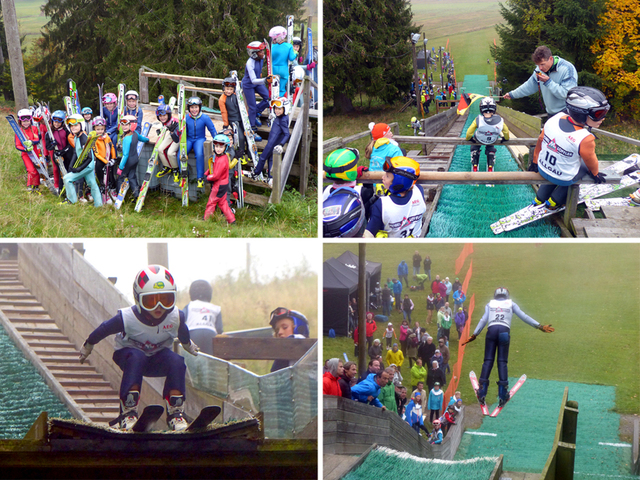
(397, 293)
(110, 102)
(282, 53)
(403, 272)
(459, 298)
(553, 77)
(278, 136)
(196, 134)
(129, 161)
(381, 146)
(253, 83)
(131, 108)
(367, 391)
(414, 414)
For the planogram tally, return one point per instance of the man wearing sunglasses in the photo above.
(144, 338)
(566, 148)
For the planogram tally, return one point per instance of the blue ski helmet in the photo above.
(300, 322)
(163, 110)
(87, 111)
(343, 214)
(405, 173)
(58, 116)
(222, 139)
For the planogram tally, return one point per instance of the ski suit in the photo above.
(486, 131)
(218, 173)
(498, 314)
(196, 136)
(33, 177)
(281, 55)
(112, 124)
(129, 162)
(279, 135)
(169, 146)
(401, 217)
(49, 154)
(204, 320)
(84, 172)
(230, 110)
(144, 347)
(252, 84)
(104, 151)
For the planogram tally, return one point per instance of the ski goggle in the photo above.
(73, 121)
(597, 114)
(131, 97)
(229, 84)
(276, 103)
(150, 301)
(388, 167)
(124, 121)
(25, 117)
(280, 313)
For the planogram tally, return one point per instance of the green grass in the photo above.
(26, 215)
(441, 18)
(589, 292)
(30, 20)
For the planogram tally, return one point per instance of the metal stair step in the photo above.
(63, 343)
(97, 399)
(82, 383)
(70, 376)
(37, 330)
(113, 410)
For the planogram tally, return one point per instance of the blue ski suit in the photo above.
(252, 84)
(196, 136)
(112, 124)
(279, 135)
(282, 54)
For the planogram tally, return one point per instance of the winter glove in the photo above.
(502, 139)
(599, 178)
(471, 339)
(192, 348)
(173, 126)
(269, 79)
(473, 139)
(28, 145)
(85, 351)
(50, 143)
(546, 328)
(311, 66)
(533, 167)
(277, 149)
(158, 131)
(111, 162)
(119, 172)
(361, 170)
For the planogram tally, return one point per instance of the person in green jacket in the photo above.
(387, 395)
(418, 374)
(444, 324)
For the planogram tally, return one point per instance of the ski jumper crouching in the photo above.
(486, 129)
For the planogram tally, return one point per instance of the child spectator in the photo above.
(218, 175)
(435, 401)
(415, 417)
(397, 376)
(486, 129)
(460, 322)
(371, 327)
(458, 298)
(399, 214)
(436, 433)
(455, 397)
(381, 146)
(375, 350)
(404, 334)
(448, 419)
(431, 305)
(389, 333)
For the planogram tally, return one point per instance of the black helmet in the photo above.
(583, 102)
(343, 214)
(229, 82)
(501, 293)
(201, 290)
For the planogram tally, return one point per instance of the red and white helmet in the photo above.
(254, 47)
(153, 286)
(277, 32)
(130, 120)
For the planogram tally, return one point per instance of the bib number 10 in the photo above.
(551, 159)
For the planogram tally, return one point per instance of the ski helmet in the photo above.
(99, 121)
(222, 139)
(154, 286)
(229, 82)
(297, 41)
(583, 102)
(298, 74)
(487, 105)
(109, 98)
(87, 111)
(280, 102)
(277, 32)
(130, 120)
(200, 290)
(300, 322)
(405, 173)
(75, 119)
(501, 293)
(24, 114)
(194, 101)
(343, 214)
(131, 93)
(254, 47)
(38, 114)
(58, 116)
(163, 110)
(342, 164)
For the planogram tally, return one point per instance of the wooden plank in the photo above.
(601, 232)
(229, 348)
(457, 140)
(255, 199)
(621, 213)
(179, 78)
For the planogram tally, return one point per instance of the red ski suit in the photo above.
(218, 173)
(33, 177)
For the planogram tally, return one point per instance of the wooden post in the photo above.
(572, 204)
(306, 138)
(15, 55)
(143, 82)
(363, 304)
(415, 76)
(276, 174)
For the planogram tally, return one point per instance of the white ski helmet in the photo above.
(24, 113)
(254, 47)
(277, 32)
(153, 286)
(131, 92)
(281, 102)
(501, 293)
(298, 74)
(487, 105)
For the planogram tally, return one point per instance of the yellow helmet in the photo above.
(405, 173)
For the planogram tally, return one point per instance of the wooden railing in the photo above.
(563, 453)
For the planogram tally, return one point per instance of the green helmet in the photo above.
(342, 164)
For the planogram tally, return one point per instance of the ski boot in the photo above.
(256, 138)
(503, 393)
(491, 160)
(536, 202)
(201, 183)
(175, 413)
(551, 205)
(258, 122)
(635, 197)
(475, 159)
(481, 393)
(164, 172)
(176, 176)
(129, 410)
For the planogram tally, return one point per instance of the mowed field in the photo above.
(30, 19)
(590, 293)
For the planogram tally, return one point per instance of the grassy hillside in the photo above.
(589, 292)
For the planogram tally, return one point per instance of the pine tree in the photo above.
(366, 50)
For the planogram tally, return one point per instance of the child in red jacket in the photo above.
(218, 174)
(33, 136)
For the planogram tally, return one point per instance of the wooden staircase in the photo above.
(83, 383)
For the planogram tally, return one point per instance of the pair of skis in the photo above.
(182, 126)
(152, 413)
(498, 409)
(124, 188)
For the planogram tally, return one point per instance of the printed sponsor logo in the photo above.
(158, 285)
(168, 327)
(554, 147)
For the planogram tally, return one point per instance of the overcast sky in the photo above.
(193, 259)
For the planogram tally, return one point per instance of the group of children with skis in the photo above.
(95, 166)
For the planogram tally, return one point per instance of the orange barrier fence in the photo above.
(466, 251)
